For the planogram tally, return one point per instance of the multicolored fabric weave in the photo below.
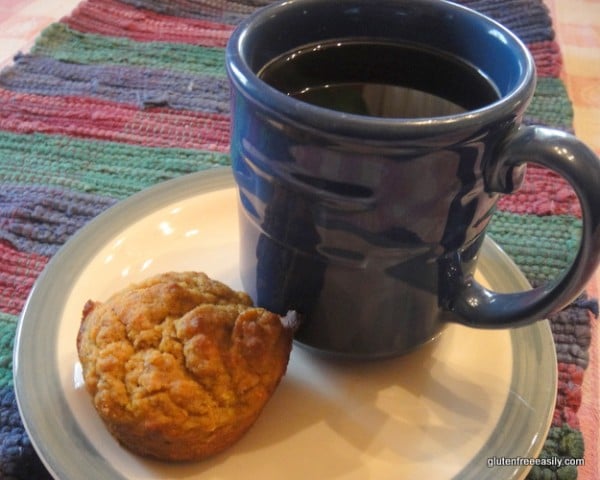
(123, 94)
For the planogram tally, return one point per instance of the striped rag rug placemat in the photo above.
(123, 94)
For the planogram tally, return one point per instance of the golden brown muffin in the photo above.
(180, 366)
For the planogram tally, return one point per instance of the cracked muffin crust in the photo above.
(180, 366)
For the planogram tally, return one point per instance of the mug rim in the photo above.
(246, 81)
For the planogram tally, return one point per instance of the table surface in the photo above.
(577, 25)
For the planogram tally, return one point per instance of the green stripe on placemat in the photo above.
(8, 324)
(62, 43)
(550, 105)
(106, 168)
(542, 247)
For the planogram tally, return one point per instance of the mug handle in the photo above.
(478, 306)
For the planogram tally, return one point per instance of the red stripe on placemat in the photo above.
(548, 58)
(99, 119)
(18, 273)
(109, 17)
(543, 193)
(568, 399)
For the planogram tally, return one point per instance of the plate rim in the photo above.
(127, 211)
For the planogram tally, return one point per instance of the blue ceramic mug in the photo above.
(368, 225)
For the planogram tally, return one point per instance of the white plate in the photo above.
(441, 412)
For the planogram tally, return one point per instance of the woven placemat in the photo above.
(121, 95)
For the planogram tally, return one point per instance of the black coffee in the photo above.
(380, 79)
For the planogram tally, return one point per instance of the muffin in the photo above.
(180, 366)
